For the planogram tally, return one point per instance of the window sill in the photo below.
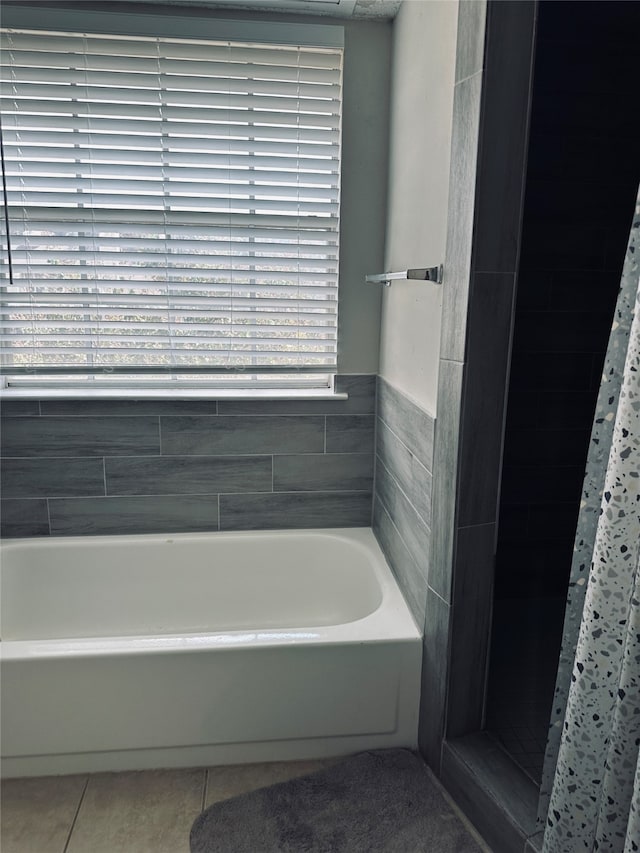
(43, 393)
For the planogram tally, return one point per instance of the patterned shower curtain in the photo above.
(590, 794)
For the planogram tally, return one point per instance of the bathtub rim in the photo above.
(391, 621)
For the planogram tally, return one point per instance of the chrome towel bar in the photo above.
(433, 274)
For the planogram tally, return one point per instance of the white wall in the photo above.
(365, 155)
(422, 82)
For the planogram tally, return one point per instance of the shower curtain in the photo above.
(590, 793)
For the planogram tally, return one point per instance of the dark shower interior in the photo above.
(581, 184)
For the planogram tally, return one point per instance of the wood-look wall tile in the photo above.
(490, 308)
(295, 510)
(50, 477)
(445, 472)
(322, 472)
(470, 38)
(462, 185)
(495, 794)
(24, 518)
(412, 425)
(415, 534)
(238, 435)
(73, 436)
(470, 636)
(499, 190)
(19, 408)
(187, 475)
(350, 433)
(414, 479)
(435, 663)
(175, 514)
(411, 578)
(128, 408)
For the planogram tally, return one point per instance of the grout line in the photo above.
(469, 76)
(75, 817)
(437, 594)
(375, 450)
(294, 493)
(391, 475)
(205, 789)
(137, 496)
(385, 509)
(406, 446)
(479, 524)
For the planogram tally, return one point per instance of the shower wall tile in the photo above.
(412, 528)
(464, 152)
(435, 663)
(44, 477)
(91, 436)
(500, 187)
(295, 510)
(486, 375)
(445, 476)
(491, 790)
(546, 447)
(24, 518)
(247, 434)
(322, 472)
(188, 475)
(402, 502)
(350, 433)
(471, 626)
(412, 476)
(75, 467)
(470, 40)
(95, 516)
(411, 577)
(552, 371)
(525, 484)
(411, 424)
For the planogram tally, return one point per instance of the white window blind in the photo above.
(172, 204)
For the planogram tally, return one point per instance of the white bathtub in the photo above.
(134, 652)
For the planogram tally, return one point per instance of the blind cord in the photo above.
(6, 206)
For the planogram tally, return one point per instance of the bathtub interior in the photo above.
(184, 584)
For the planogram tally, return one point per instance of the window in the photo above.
(172, 207)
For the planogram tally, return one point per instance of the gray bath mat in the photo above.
(375, 802)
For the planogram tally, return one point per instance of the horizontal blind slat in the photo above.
(170, 201)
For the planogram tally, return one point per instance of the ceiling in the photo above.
(362, 9)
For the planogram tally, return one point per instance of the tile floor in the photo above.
(524, 660)
(137, 812)
(148, 811)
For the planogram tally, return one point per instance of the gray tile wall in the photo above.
(402, 498)
(467, 95)
(490, 119)
(73, 467)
